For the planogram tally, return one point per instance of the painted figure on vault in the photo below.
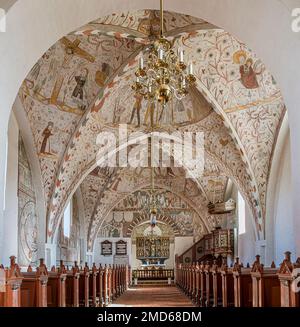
(47, 133)
(137, 109)
(247, 70)
(80, 80)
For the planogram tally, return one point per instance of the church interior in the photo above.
(80, 229)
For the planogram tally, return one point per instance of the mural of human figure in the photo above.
(247, 71)
(102, 75)
(47, 133)
(80, 80)
(137, 109)
(248, 75)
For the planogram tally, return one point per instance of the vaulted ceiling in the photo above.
(81, 87)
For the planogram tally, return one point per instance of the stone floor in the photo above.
(153, 296)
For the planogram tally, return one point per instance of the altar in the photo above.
(153, 251)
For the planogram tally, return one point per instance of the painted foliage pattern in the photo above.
(27, 211)
(59, 94)
(60, 88)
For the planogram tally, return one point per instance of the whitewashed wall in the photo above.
(112, 259)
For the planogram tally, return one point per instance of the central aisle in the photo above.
(153, 296)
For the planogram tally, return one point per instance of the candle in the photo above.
(180, 55)
(161, 54)
(141, 63)
(191, 69)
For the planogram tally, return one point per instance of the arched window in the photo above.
(241, 214)
(67, 220)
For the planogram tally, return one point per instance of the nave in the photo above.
(146, 147)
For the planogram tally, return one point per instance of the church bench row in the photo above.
(209, 284)
(61, 287)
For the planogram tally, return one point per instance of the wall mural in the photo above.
(80, 87)
(28, 221)
(173, 212)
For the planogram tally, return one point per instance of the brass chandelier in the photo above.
(165, 74)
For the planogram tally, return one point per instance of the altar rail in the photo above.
(153, 274)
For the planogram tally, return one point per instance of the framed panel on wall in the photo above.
(121, 248)
(106, 248)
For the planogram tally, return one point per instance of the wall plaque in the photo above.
(121, 248)
(106, 248)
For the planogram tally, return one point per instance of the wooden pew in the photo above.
(13, 281)
(127, 277)
(202, 285)
(56, 290)
(72, 286)
(208, 285)
(288, 275)
(93, 286)
(100, 288)
(242, 285)
(193, 283)
(265, 285)
(113, 282)
(227, 285)
(105, 286)
(34, 287)
(217, 284)
(84, 286)
(109, 284)
(197, 284)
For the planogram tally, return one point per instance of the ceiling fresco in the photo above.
(81, 87)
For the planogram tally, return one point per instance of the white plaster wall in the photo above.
(246, 242)
(98, 258)
(182, 244)
(284, 230)
(10, 223)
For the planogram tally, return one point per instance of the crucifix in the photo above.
(73, 49)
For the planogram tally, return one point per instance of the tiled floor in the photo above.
(153, 296)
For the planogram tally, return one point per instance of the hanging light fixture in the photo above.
(153, 202)
(165, 74)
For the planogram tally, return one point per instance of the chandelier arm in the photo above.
(178, 97)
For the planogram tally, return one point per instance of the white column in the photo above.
(10, 216)
(50, 255)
